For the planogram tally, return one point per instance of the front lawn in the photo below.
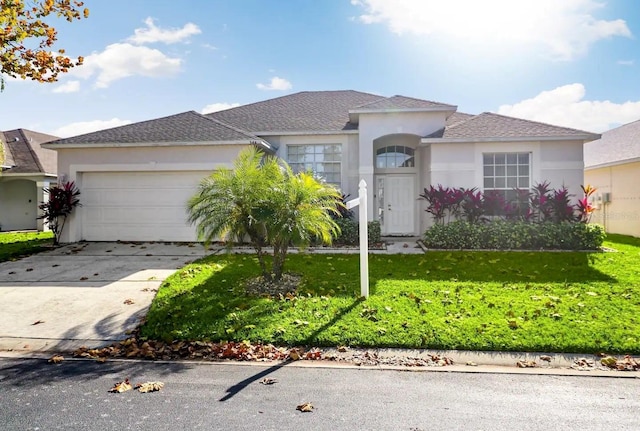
(16, 244)
(518, 301)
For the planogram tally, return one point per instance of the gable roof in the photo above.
(186, 127)
(494, 126)
(23, 153)
(402, 103)
(616, 146)
(458, 117)
(319, 111)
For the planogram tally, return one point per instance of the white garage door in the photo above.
(137, 206)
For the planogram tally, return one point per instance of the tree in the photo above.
(63, 199)
(263, 200)
(27, 38)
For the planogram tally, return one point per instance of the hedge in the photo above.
(349, 234)
(515, 235)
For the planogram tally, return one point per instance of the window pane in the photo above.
(488, 183)
(512, 182)
(500, 159)
(500, 171)
(500, 183)
(488, 171)
(487, 158)
(523, 182)
(523, 171)
(523, 158)
(512, 159)
(512, 171)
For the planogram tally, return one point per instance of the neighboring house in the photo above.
(135, 179)
(27, 169)
(612, 165)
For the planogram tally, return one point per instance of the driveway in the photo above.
(83, 294)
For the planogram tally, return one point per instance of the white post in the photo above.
(364, 240)
(361, 201)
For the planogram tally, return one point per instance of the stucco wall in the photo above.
(18, 204)
(622, 214)
(460, 164)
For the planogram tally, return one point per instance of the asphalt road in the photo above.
(73, 395)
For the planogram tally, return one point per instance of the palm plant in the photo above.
(264, 201)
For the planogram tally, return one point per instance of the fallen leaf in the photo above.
(149, 387)
(268, 381)
(56, 359)
(29, 269)
(96, 274)
(342, 348)
(122, 386)
(11, 272)
(84, 278)
(294, 354)
(609, 361)
(526, 364)
(55, 265)
(37, 322)
(129, 301)
(471, 364)
(305, 408)
(545, 358)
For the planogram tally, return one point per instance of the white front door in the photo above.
(397, 206)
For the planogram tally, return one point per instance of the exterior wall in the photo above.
(73, 162)
(461, 164)
(376, 125)
(18, 204)
(622, 214)
(349, 163)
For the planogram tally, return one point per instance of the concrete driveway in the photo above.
(83, 294)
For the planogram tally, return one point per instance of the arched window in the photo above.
(395, 156)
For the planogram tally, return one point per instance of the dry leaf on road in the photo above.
(526, 364)
(129, 301)
(56, 359)
(121, 387)
(149, 387)
(268, 381)
(37, 322)
(305, 408)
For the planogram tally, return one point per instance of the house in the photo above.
(27, 169)
(135, 179)
(612, 166)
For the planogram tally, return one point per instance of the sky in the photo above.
(572, 63)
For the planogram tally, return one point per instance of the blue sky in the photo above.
(567, 62)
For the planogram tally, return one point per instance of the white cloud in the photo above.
(67, 87)
(82, 127)
(153, 34)
(209, 46)
(276, 83)
(625, 62)
(121, 60)
(565, 106)
(215, 107)
(565, 28)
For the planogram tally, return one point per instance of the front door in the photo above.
(396, 204)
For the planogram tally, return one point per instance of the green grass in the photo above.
(517, 301)
(16, 244)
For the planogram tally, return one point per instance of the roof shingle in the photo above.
(616, 146)
(319, 111)
(185, 127)
(402, 102)
(489, 125)
(23, 152)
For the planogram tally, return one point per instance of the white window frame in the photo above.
(505, 172)
(306, 157)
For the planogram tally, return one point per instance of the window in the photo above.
(395, 156)
(323, 160)
(504, 173)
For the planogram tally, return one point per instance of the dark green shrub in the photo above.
(518, 235)
(350, 235)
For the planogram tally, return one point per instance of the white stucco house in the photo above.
(135, 179)
(26, 171)
(612, 166)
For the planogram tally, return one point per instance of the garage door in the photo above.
(137, 206)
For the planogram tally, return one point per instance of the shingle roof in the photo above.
(185, 127)
(402, 102)
(489, 125)
(319, 111)
(615, 146)
(458, 117)
(24, 153)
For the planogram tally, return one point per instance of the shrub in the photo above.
(63, 199)
(350, 234)
(515, 235)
